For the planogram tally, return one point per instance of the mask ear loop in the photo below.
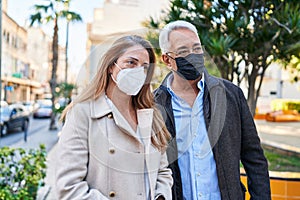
(111, 75)
(118, 66)
(170, 68)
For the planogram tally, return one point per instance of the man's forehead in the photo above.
(183, 37)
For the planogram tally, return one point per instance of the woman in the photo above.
(113, 142)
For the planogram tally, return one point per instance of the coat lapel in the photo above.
(100, 107)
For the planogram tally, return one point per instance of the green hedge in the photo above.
(21, 172)
(285, 104)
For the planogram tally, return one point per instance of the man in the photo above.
(211, 125)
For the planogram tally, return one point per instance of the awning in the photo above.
(21, 81)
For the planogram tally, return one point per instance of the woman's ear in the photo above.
(110, 69)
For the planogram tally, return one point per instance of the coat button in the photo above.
(112, 194)
(110, 116)
(111, 150)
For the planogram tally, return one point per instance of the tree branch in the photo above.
(281, 25)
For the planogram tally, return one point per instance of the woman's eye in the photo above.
(130, 63)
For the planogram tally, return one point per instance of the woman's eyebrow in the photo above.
(136, 59)
(130, 57)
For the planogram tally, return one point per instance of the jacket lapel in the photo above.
(145, 118)
(218, 103)
(101, 108)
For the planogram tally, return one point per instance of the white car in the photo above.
(44, 110)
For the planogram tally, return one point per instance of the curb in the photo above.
(282, 149)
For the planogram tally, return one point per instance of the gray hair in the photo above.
(165, 32)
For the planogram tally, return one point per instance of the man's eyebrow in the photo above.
(185, 47)
(182, 47)
(196, 44)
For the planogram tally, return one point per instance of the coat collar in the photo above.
(218, 101)
(100, 108)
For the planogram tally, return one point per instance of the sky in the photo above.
(20, 11)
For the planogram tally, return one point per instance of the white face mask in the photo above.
(130, 80)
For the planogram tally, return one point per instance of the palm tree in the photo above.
(52, 11)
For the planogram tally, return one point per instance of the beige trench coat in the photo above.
(99, 156)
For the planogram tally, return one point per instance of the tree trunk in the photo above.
(252, 97)
(53, 82)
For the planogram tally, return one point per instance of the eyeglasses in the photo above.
(182, 52)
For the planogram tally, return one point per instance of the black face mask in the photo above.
(191, 66)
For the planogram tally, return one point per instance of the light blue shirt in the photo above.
(195, 156)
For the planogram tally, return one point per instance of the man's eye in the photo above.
(197, 50)
(182, 52)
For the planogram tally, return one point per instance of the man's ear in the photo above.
(166, 59)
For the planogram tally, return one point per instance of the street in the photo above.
(38, 133)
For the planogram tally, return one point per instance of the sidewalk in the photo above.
(47, 192)
(44, 136)
(284, 136)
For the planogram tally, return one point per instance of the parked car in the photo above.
(44, 109)
(13, 116)
(3, 103)
(30, 106)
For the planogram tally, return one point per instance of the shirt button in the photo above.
(112, 194)
(198, 174)
(110, 116)
(200, 195)
(195, 135)
(112, 150)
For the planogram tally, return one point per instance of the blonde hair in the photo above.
(144, 99)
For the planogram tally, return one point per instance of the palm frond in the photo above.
(71, 16)
(37, 17)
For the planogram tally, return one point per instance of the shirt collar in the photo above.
(170, 78)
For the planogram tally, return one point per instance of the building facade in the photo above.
(116, 18)
(26, 61)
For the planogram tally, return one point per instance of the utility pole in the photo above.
(67, 42)
(0, 60)
(0, 52)
(67, 5)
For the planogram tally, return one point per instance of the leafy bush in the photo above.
(21, 172)
(285, 104)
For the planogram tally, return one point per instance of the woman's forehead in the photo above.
(138, 52)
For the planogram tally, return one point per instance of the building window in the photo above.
(7, 38)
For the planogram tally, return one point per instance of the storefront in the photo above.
(20, 90)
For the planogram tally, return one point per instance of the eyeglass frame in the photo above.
(188, 51)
